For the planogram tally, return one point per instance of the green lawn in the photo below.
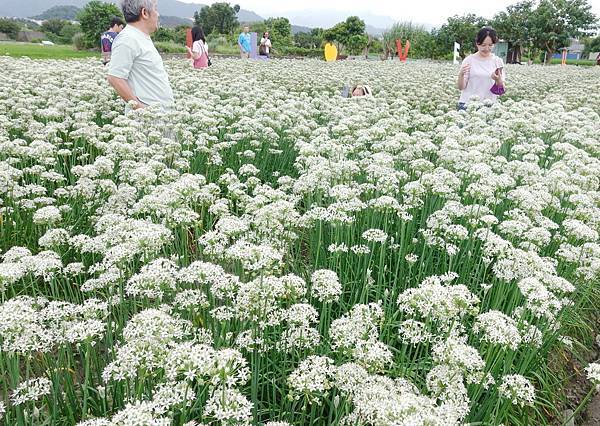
(37, 51)
(584, 62)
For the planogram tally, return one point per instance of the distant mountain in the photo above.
(58, 12)
(174, 21)
(375, 32)
(25, 8)
(249, 16)
(300, 29)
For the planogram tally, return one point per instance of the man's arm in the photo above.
(122, 59)
(123, 90)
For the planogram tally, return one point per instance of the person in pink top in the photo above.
(482, 73)
(199, 49)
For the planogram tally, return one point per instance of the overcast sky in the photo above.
(432, 12)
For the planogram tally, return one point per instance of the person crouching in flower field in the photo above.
(136, 70)
(356, 91)
(482, 73)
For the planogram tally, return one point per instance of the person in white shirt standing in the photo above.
(136, 70)
(265, 45)
(482, 73)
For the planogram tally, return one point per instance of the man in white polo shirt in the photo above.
(136, 69)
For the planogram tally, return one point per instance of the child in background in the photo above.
(108, 38)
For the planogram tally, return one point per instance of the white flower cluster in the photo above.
(31, 390)
(437, 300)
(593, 374)
(517, 389)
(30, 325)
(357, 334)
(326, 286)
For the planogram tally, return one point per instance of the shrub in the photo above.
(9, 27)
(169, 47)
(78, 41)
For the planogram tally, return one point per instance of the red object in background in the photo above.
(188, 40)
(403, 55)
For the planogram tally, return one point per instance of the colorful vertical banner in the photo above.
(188, 40)
(253, 46)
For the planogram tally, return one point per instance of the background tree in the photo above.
(94, 19)
(218, 18)
(280, 31)
(335, 33)
(592, 44)
(460, 29)
(421, 40)
(9, 27)
(355, 36)
(60, 30)
(349, 35)
(164, 34)
(68, 32)
(309, 40)
(513, 26)
(304, 40)
(554, 22)
(53, 26)
(175, 35)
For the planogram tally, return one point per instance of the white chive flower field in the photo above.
(270, 253)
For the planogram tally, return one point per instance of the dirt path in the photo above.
(592, 414)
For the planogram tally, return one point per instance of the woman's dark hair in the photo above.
(198, 34)
(486, 32)
(266, 32)
(115, 20)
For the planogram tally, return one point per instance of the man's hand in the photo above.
(124, 91)
(136, 104)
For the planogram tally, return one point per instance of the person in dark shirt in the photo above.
(108, 38)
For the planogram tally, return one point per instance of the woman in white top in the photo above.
(265, 45)
(199, 49)
(482, 73)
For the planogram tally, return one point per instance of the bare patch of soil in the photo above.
(578, 387)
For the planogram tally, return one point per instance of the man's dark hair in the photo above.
(486, 32)
(115, 20)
